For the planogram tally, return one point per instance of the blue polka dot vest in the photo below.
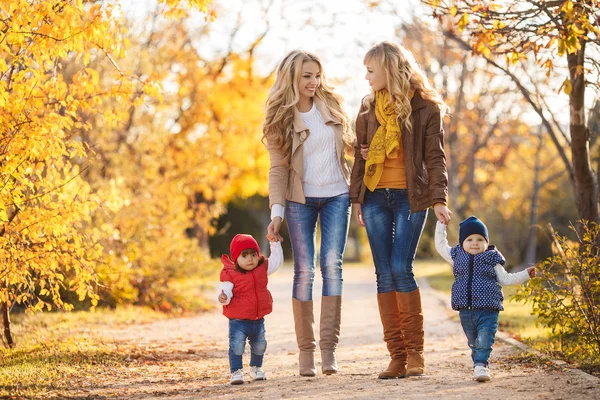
(475, 285)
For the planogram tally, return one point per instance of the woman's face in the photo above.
(375, 75)
(310, 79)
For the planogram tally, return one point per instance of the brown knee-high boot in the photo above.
(331, 309)
(393, 336)
(411, 320)
(304, 321)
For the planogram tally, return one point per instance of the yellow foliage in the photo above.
(560, 27)
(165, 175)
(51, 96)
(44, 202)
(567, 87)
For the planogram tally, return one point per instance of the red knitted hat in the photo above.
(240, 243)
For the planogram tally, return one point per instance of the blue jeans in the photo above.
(394, 233)
(480, 326)
(334, 217)
(239, 331)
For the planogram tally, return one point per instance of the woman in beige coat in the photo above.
(307, 131)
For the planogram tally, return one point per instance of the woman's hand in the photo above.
(273, 230)
(442, 213)
(364, 151)
(357, 209)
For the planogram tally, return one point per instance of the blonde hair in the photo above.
(402, 74)
(284, 95)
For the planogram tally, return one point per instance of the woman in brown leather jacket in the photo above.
(398, 173)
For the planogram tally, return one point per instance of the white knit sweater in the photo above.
(322, 174)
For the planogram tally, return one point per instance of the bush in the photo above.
(566, 294)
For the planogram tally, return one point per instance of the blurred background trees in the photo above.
(130, 151)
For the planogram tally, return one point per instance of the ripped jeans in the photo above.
(239, 331)
(480, 326)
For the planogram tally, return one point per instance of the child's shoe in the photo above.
(237, 377)
(481, 373)
(257, 374)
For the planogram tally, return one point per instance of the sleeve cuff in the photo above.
(277, 210)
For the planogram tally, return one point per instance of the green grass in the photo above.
(438, 274)
(516, 319)
(55, 350)
(61, 350)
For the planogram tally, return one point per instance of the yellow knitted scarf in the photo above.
(387, 139)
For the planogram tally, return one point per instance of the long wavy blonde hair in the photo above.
(403, 74)
(285, 94)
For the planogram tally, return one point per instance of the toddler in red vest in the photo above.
(246, 300)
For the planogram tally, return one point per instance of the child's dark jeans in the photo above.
(239, 331)
(480, 326)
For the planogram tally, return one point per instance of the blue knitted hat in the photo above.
(472, 226)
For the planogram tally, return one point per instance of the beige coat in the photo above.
(285, 182)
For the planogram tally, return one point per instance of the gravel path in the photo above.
(191, 358)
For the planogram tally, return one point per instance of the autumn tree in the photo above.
(547, 33)
(484, 132)
(485, 124)
(166, 173)
(45, 205)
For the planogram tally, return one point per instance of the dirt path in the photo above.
(186, 358)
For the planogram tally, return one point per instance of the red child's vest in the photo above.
(251, 298)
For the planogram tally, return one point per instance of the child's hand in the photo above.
(274, 238)
(222, 297)
(531, 272)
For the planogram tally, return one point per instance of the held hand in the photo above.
(442, 213)
(222, 297)
(531, 272)
(357, 209)
(273, 230)
(274, 238)
(364, 152)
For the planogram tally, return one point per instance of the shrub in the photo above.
(566, 294)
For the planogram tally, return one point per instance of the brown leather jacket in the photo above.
(424, 156)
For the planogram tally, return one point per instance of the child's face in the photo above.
(475, 244)
(375, 75)
(248, 259)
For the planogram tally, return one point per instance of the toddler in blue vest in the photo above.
(476, 293)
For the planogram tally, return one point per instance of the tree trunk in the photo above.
(586, 193)
(532, 235)
(6, 322)
(454, 182)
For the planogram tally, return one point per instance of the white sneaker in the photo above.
(257, 374)
(237, 377)
(481, 373)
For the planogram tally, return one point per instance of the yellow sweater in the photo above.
(394, 174)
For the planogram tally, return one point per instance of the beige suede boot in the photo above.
(304, 322)
(331, 309)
